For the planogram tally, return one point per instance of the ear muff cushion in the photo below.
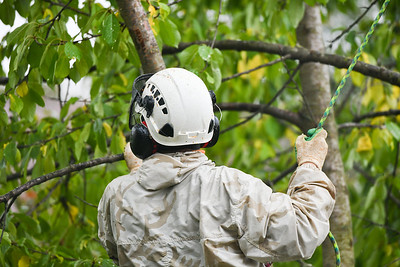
(215, 136)
(141, 143)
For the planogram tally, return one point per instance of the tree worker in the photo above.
(176, 208)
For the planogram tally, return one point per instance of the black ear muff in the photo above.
(141, 143)
(214, 126)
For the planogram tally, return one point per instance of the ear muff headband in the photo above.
(215, 136)
(137, 90)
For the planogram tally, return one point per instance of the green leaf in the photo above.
(85, 132)
(216, 74)
(19, 33)
(110, 30)
(188, 55)
(16, 104)
(35, 54)
(310, 2)
(65, 108)
(22, 6)
(10, 152)
(48, 62)
(133, 56)
(394, 129)
(21, 52)
(7, 13)
(72, 51)
(62, 66)
(99, 15)
(169, 33)
(295, 12)
(28, 112)
(164, 10)
(205, 52)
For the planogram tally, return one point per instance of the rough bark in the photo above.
(316, 89)
(142, 35)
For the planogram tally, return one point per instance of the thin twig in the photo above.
(67, 7)
(53, 20)
(284, 173)
(268, 104)
(87, 203)
(71, 168)
(376, 224)
(353, 24)
(217, 24)
(256, 68)
(239, 123)
(29, 213)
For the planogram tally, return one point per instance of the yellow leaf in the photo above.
(48, 12)
(24, 261)
(152, 25)
(364, 143)
(18, 156)
(396, 91)
(122, 140)
(357, 78)
(258, 143)
(107, 128)
(289, 134)
(241, 67)
(374, 93)
(43, 149)
(152, 11)
(22, 89)
(123, 78)
(395, 50)
(255, 76)
(73, 211)
(90, 223)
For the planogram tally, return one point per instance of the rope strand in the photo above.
(353, 63)
(311, 133)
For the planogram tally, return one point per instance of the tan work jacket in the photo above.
(182, 210)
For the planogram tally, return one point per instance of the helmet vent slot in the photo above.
(167, 130)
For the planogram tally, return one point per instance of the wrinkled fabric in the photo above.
(182, 210)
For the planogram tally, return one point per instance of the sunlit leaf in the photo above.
(394, 129)
(72, 51)
(364, 143)
(22, 89)
(111, 29)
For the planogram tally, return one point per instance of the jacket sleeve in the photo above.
(283, 227)
(105, 227)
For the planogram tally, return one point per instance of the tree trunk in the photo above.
(139, 28)
(316, 89)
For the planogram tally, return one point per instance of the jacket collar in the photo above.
(164, 170)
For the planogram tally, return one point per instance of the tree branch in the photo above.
(297, 53)
(358, 125)
(72, 168)
(289, 116)
(140, 31)
(390, 112)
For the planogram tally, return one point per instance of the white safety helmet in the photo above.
(176, 108)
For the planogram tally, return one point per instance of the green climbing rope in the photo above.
(312, 132)
(353, 63)
(336, 247)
